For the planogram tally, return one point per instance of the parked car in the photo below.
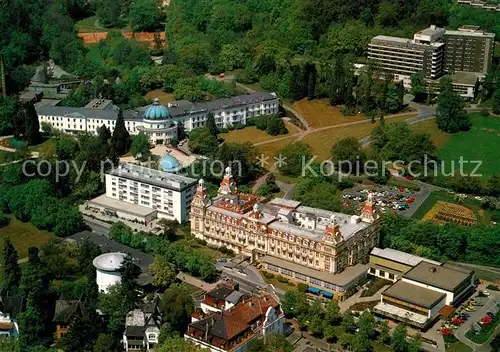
(470, 309)
(490, 314)
(457, 321)
(486, 293)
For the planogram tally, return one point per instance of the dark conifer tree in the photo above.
(32, 132)
(212, 127)
(120, 141)
(11, 269)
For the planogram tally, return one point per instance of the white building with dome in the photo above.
(159, 122)
(107, 267)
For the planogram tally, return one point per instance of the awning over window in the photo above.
(327, 294)
(313, 289)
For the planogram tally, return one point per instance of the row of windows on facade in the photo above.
(305, 278)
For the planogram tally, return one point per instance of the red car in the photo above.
(410, 200)
(222, 75)
(485, 320)
(446, 332)
(457, 321)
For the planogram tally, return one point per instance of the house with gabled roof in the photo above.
(232, 329)
(10, 308)
(142, 327)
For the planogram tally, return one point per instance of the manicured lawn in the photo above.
(458, 347)
(481, 143)
(322, 141)
(163, 96)
(253, 135)
(24, 235)
(439, 138)
(271, 149)
(320, 114)
(88, 25)
(6, 157)
(378, 347)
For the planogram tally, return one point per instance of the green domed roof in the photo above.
(156, 111)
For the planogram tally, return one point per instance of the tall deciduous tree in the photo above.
(11, 270)
(348, 155)
(451, 116)
(398, 341)
(140, 146)
(145, 15)
(120, 141)
(294, 157)
(177, 305)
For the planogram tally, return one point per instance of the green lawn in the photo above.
(481, 143)
(458, 347)
(88, 25)
(24, 235)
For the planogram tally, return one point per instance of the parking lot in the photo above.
(387, 198)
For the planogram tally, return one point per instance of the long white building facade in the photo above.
(158, 121)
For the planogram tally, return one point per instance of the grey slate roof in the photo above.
(12, 305)
(65, 310)
(184, 107)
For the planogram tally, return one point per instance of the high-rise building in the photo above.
(468, 49)
(403, 57)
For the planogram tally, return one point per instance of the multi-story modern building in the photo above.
(157, 121)
(465, 54)
(141, 194)
(468, 49)
(323, 248)
(234, 328)
(403, 57)
(424, 292)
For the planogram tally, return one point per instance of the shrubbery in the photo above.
(272, 124)
(183, 258)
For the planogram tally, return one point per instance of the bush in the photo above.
(302, 287)
(202, 242)
(282, 279)
(225, 250)
(4, 220)
(18, 144)
(492, 288)
(268, 275)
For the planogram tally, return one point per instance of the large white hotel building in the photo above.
(158, 121)
(141, 194)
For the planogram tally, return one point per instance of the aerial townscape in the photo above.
(249, 175)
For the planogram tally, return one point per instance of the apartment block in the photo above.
(140, 194)
(468, 49)
(402, 57)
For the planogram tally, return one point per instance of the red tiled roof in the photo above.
(232, 322)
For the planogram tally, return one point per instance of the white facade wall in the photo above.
(106, 279)
(224, 118)
(376, 272)
(434, 311)
(168, 203)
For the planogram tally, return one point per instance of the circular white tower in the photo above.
(107, 267)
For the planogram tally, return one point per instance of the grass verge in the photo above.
(24, 235)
